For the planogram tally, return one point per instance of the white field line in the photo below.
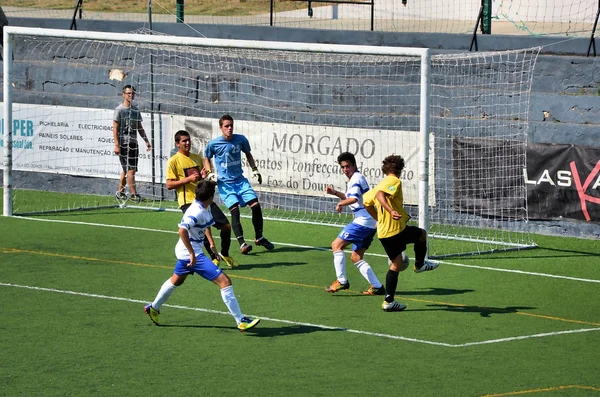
(586, 280)
(321, 326)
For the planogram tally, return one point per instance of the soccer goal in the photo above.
(459, 121)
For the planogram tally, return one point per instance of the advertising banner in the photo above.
(563, 181)
(78, 141)
(300, 159)
(292, 158)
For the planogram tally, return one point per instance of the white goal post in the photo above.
(460, 122)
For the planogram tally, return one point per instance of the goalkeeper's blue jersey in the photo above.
(228, 156)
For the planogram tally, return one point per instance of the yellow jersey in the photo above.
(181, 166)
(387, 226)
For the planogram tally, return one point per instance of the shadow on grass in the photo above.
(482, 310)
(554, 253)
(424, 292)
(434, 291)
(286, 248)
(249, 266)
(287, 330)
(260, 332)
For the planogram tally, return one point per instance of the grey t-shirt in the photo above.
(128, 119)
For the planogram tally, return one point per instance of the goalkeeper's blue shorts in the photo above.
(239, 192)
(361, 236)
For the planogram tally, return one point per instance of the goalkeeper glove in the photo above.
(211, 177)
(256, 174)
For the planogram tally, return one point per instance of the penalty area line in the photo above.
(321, 326)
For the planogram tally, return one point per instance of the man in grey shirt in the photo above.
(127, 123)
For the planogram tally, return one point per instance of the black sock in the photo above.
(420, 252)
(208, 250)
(257, 220)
(225, 239)
(391, 282)
(236, 225)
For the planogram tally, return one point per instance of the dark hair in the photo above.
(129, 86)
(205, 190)
(179, 134)
(223, 118)
(346, 156)
(393, 164)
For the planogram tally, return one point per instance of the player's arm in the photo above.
(382, 199)
(175, 183)
(345, 202)
(252, 163)
(371, 210)
(211, 241)
(207, 165)
(185, 239)
(142, 133)
(116, 136)
(331, 190)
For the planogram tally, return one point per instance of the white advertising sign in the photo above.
(300, 159)
(78, 141)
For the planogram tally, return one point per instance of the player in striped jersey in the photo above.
(359, 232)
(193, 228)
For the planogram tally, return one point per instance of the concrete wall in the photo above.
(565, 97)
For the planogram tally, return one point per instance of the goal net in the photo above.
(459, 121)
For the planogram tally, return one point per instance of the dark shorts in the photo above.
(218, 215)
(394, 245)
(128, 156)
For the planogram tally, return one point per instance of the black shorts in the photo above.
(128, 156)
(394, 245)
(218, 215)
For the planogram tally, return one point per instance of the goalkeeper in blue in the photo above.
(194, 227)
(359, 232)
(234, 188)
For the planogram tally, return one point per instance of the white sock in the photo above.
(163, 294)
(231, 302)
(339, 261)
(365, 269)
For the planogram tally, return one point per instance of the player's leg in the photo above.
(418, 237)
(362, 237)
(133, 157)
(229, 195)
(121, 195)
(248, 196)
(358, 258)
(224, 227)
(393, 247)
(339, 263)
(166, 290)
(227, 294)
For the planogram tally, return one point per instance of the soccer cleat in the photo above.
(245, 248)
(229, 261)
(120, 196)
(152, 313)
(375, 291)
(216, 261)
(427, 265)
(136, 198)
(246, 323)
(392, 306)
(263, 242)
(337, 286)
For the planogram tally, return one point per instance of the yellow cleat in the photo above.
(216, 261)
(246, 323)
(152, 313)
(229, 261)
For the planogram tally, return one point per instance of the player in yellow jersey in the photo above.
(183, 174)
(385, 203)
